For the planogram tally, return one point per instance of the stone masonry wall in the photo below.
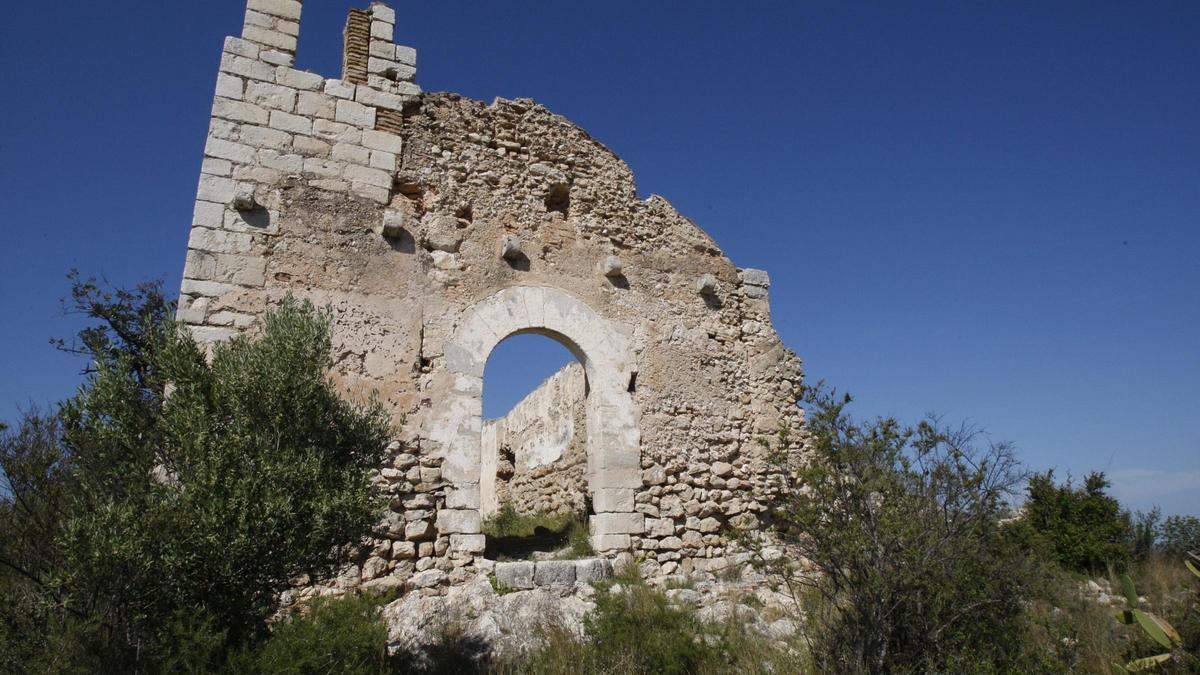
(537, 453)
(434, 226)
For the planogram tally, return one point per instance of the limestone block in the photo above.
(240, 47)
(430, 578)
(381, 140)
(340, 89)
(385, 161)
(710, 525)
(293, 123)
(381, 12)
(706, 284)
(311, 146)
(264, 137)
(374, 567)
(239, 111)
(240, 65)
(273, 159)
(404, 550)
(369, 176)
(216, 189)
(234, 152)
(381, 30)
(299, 79)
(406, 55)
(462, 521)
(216, 167)
(219, 241)
(356, 114)
(660, 527)
(315, 104)
(275, 57)
(515, 574)
(721, 468)
(611, 542)
(419, 530)
(618, 523)
(554, 573)
(378, 99)
(468, 543)
(287, 9)
(271, 96)
(345, 152)
(229, 86)
(613, 499)
(593, 570)
(670, 544)
(270, 38)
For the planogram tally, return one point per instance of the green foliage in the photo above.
(173, 486)
(1081, 528)
(637, 629)
(1179, 535)
(511, 534)
(346, 635)
(901, 526)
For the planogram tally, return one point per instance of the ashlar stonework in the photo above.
(435, 226)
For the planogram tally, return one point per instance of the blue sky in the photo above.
(986, 210)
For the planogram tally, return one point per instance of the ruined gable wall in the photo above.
(401, 211)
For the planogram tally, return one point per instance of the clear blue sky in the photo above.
(988, 210)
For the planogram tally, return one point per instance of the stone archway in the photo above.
(613, 440)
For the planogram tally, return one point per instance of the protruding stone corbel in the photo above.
(510, 247)
(243, 200)
(706, 284)
(611, 267)
(393, 223)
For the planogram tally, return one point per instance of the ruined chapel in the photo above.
(434, 227)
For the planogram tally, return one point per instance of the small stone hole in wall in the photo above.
(533, 451)
(558, 199)
(464, 213)
(632, 382)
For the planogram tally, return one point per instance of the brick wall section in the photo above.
(357, 44)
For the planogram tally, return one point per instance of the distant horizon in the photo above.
(988, 212)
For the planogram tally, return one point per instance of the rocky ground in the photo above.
(480, 620)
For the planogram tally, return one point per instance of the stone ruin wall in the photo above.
(434, 226)
(537, 453)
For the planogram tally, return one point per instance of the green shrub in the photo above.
(637, 629)
(176, 486)
(1080, 527)
(903, 559)
(346, 635)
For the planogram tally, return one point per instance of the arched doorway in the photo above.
(613, 441)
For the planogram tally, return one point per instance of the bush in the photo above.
(1179, 535)
(1081, 528)
(173, 486)
(328, 636)
(894, 538)
(636, 629)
